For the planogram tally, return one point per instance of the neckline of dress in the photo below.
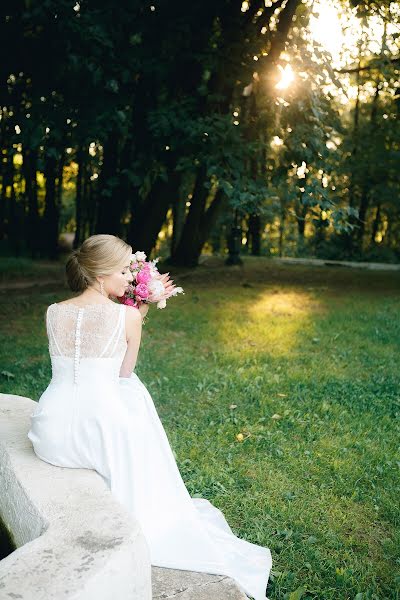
(86, 305)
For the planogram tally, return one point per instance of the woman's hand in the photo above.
(143, 309)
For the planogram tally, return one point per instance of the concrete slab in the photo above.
(74, 541)
(190, 585)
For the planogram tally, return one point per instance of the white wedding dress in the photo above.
(90, 417)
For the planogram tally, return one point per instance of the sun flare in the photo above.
(287, 77)
(326, 29)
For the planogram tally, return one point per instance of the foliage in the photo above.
(107, 110)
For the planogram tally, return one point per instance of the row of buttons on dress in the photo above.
(77, 344)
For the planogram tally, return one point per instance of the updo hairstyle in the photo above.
(100, 254)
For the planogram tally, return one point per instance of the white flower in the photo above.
(177, 290)
(140, 256)
(162, 303)
(156, 289)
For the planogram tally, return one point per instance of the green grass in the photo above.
(304, 362)
(19, 269)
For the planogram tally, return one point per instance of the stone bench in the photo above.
(73, 539)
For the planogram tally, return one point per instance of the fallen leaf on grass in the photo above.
(7, 374)
(240, 437)
(297, 594)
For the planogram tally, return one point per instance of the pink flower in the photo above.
(129, 302)
(143, 276)
(141, 290)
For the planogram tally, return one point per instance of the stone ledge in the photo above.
(190, 585)
(74, 540)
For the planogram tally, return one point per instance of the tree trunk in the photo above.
(60, 176)
(146, 224)
(78, 199)
(8, 200)
(109, 202)
(29, 167)
(367, 183)
(186, 251)
(51, 213)
(4, 224)
(376, 223)
(178, 216)
(356, 122)
(254, 234)
(281, 229)
(198, 224)
(15, 212)
(3, 135)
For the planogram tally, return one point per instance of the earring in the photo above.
(102, 288)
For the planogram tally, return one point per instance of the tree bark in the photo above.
(198, 224)
(51, 213)
(29, 166)
(376, 223)
(78, 199)
(178, 216)
(282, 228)
(254, 234)
(367, 183)
(8, 200)
(147, 222)
(109, 202)
(186, 251)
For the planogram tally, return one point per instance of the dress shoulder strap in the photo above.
(50, 329)
(115, 336)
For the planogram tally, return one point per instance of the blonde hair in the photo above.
(100, 254)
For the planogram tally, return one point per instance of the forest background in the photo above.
(179, 125)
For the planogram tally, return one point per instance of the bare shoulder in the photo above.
(133, 315)
(133, 320)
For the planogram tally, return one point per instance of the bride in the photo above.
(97, 414)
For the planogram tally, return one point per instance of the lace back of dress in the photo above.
(93, 331)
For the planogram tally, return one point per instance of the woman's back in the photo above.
(81, 338)
(87, 346)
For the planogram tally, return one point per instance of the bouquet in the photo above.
(147, 286)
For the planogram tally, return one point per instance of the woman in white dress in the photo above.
(97, 414)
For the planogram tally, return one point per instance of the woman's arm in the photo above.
(133, 325)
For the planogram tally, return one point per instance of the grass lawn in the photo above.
(304, 363)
